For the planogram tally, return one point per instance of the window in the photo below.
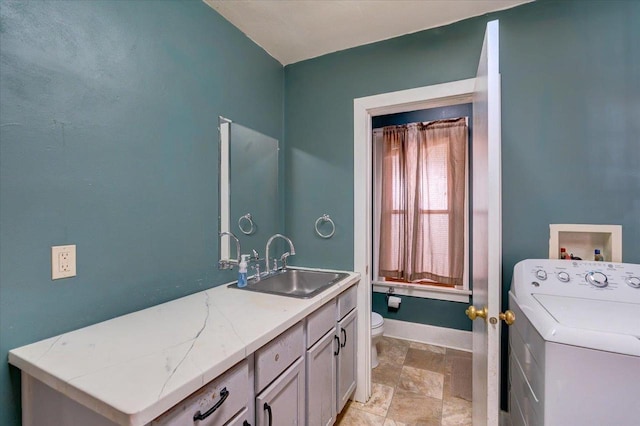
(421, 203)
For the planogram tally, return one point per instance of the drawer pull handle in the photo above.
(246, 423)
(268, 408)
(224, 394)
(343, 344)
(338, 350)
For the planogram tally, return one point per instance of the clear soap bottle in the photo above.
(242, 270)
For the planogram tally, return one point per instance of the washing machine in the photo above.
(574, 349)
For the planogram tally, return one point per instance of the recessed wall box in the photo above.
(581, 240)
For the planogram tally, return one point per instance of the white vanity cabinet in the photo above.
(115, 372)
(282, 402)
(321, 366)
(346, 360)
(214, 404)
(331, 359)
(280, 378)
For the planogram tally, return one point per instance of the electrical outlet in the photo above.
(63, 262)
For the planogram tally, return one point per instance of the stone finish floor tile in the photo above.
(389, 422)
(392, 350)
(356, 417)
(456, 412)
(411, 387)
(425, 360)
(408, 407)
(379, 402)
(386, 374)
(427, 347)
(456, 352)
(421, 382)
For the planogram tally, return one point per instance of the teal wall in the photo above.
(108, 116)
(570, 147)
(570, 105)
(108, 138)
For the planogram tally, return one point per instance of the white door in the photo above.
(487, 233)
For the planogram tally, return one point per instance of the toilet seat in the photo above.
(376, 320)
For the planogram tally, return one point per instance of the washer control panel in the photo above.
(594, 280)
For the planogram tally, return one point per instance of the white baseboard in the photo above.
(433, 335)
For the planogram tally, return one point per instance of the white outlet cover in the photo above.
(63, 261)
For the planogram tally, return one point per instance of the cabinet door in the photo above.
(346, 368)
(321, 382)
(282, 402)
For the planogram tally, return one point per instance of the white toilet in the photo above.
(377, 329)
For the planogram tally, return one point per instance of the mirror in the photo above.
(248, 178)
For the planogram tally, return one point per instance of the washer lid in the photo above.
(376, 320)
(591, 314)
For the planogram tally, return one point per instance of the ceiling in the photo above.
(295, 30)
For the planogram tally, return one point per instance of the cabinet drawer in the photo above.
(274, 357)
(347, 301)
(242, 419)
(236, 383)
(321, 321)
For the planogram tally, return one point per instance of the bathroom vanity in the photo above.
(218, 357)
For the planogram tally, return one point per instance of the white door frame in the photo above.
(364, 109)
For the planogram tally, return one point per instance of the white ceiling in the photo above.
(295, 30)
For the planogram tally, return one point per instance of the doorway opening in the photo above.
(440, 95)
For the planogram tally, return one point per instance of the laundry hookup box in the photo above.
(582, 240)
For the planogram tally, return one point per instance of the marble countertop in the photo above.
(133, 368)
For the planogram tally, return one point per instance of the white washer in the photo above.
(574, 349)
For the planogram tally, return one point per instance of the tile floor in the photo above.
(415, 384)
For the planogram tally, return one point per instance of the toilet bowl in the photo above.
(377, 329)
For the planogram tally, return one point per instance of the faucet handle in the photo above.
(257, 269)
(255, 254)
(283, 259)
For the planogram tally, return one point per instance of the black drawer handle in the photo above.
(224, 394)
(345, 337)
(338, 350)
(268, 408)
(246, 423)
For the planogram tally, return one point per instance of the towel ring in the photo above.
(322, 219)
(246, 225)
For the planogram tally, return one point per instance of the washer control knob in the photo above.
(564, 277)
(596, 279)
(634, 282)
(541, 274)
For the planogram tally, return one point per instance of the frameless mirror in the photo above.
(248, 178)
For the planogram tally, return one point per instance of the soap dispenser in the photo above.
(242, 270)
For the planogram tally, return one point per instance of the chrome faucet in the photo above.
(292, 249)
(228, 263)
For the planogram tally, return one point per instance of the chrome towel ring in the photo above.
(246, 225)
(322, 219)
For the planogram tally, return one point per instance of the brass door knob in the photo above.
(508, 317)
(474, 313)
